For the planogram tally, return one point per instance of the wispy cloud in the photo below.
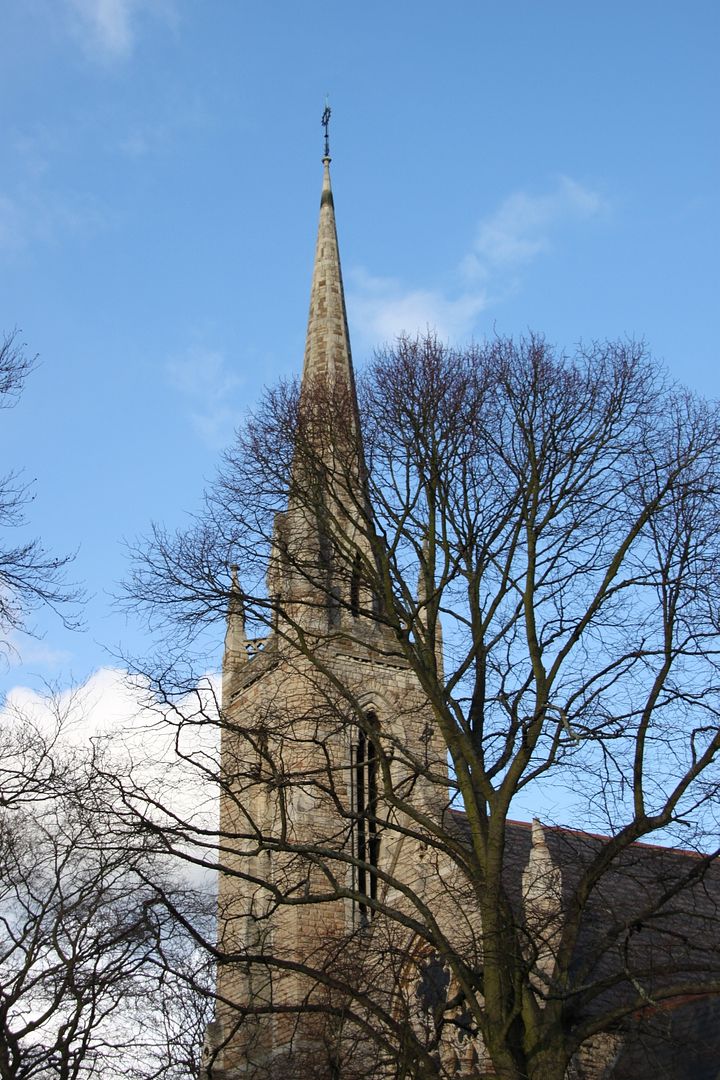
(382, 308)
(523, 227)
(106, 24)
(33, 218)
(108, 28)
(201, 375)
(29, 651)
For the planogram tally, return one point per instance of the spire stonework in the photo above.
(328, 358)
(326, 523)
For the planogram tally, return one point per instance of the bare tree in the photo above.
(96, 977)
(29, 575)
(558, 516)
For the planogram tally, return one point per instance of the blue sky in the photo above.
(497, 167)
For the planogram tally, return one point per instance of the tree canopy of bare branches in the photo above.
(97, 977)
(29, 575)
(530, 540)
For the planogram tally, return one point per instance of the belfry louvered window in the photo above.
(367, 838)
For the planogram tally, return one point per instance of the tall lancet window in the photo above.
(355, 585)
(367, 837)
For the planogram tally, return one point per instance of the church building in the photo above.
(342, 910)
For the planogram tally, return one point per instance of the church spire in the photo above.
(320, 538)
(328, 360)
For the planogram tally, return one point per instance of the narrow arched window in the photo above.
(365, 783)
(355, 586)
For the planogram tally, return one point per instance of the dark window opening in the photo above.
(366, 801)
(355, 586)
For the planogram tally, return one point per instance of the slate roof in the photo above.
(651, 927)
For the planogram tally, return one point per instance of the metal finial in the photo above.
(326, 124)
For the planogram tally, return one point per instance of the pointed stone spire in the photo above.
(317, 538)
(328, 359)
(235, 654)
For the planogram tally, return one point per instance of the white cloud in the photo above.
(518, 231)
(115, 712)
(26, 650)
(108, 28)
(521, 227)
(202, 376)
(107, 702)
(107, 24)
(382, 309)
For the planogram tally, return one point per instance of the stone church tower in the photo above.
(322, 719)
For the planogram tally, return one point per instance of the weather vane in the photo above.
(326, 124)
